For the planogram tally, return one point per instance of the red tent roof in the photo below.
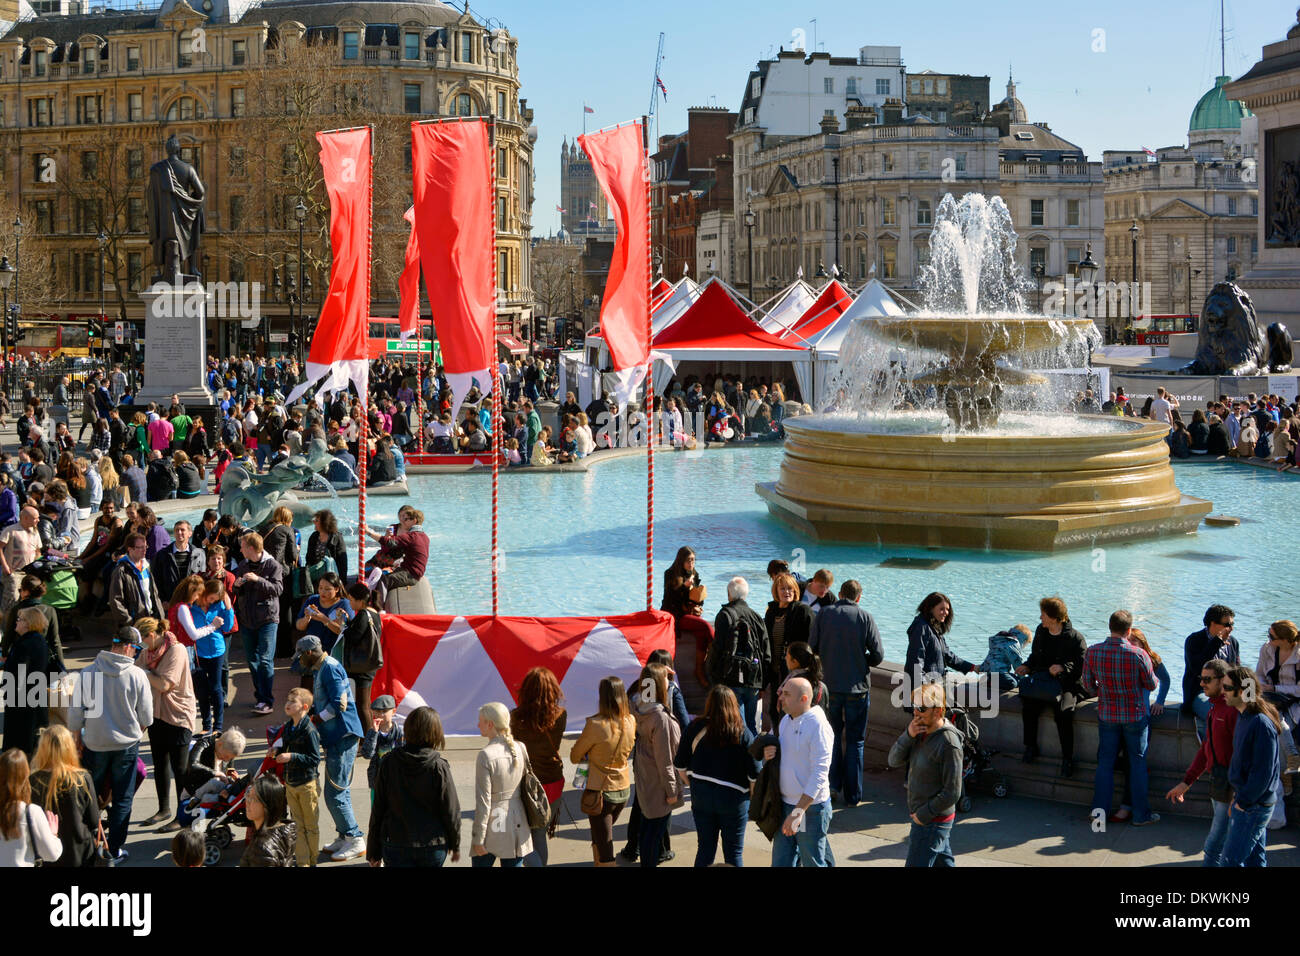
(661, 289)
(830, 305)
(715, 321)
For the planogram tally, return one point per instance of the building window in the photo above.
(185, 49)
(888, 260)
(749, 115)
(86, 215)
(350, 41)
(411, 47)
(922, 256)
(38, 111)
(1254, 245)
(1036, 212)
(38, 167)
(238, 52)
(1073, 256)
(44, 217)
(755, 87)
(1254, 206)
(1232, 205)
(828, 84)
(237, 164)
(135, 214)
(411, 97)
(503, 164)
(89, 164)
(923, 162)
(134, 270)
(134, 107)
(89, 270)
(851, 86)
(237, 101)
(236, 269)
(916, 86)
(929, 86)
(886, 162)
(1037, 258)
(132, 59)
(924, 217)
(89, 109)
(464, 105)
(941, 87)
(1072, 212)
(503, 270)
(1232, 245)
(961, 162)
(501, 103)
(182, 109)
(236, 213)
(191, 155)
(882, 87)
(134, 163)
(467, 48)
(888, 215)
(41, 59)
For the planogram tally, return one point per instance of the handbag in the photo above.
(537, 808)
(1041, 686)
(324, 566)
(593, 801)
(100, 855)
(303, 584)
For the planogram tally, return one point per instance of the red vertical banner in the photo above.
(338, 352)
(455, 225)
(408, 285)
(619, 163)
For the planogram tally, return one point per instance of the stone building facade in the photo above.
(690, 175)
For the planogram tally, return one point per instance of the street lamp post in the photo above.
(300, 214)
(1087, 272)
(12, 352)
(749, 229)
(1038, 272)
(1191, 274)
(7, 275)
(1134, 294)
(102, 239)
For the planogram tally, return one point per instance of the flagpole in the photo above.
(363, 446)
(650, 416)
(419, 381)
(497, 444)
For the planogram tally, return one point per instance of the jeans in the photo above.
(263, 452)
(210, 691)
(747, 698)
(719, 811)
(809, 846)
(653, 830)
(259, 646)
(487, 859)
(848, 718)
(1247, 831)
(407, 856)
(930, 845)
(117, 767)
(1134, 735)
(338, 778)
(1214, 840)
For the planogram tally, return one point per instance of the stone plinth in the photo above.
(175, 349)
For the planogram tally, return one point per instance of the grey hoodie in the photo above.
(934, 771)
(114, 705)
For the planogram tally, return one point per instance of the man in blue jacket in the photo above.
(340, 733)
(1253, 772)
(846, 638)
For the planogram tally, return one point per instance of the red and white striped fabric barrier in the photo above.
(457, 664)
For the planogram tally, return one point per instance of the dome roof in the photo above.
(1215, 111)
(1013, 105)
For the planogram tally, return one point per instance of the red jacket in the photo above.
(412, 547)
(1217, 746)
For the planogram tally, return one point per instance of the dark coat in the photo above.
(722, 664)
(270, 846)
(415, 803)
(845, 637)
(258, 602)
(77, 808)
(127, 601)
(927, 650)
(1066, 649)
(765, 806)
(170, 566)
(279, 545)
(160, 479)
(334, 546)
(1197, 649)
(798, 625)
(23, 723)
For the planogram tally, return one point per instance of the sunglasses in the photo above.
(925, 710)
(1232, 687)
(1209, 680)
(1227, 627)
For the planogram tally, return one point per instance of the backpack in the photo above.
(230, 430)
(743, 666)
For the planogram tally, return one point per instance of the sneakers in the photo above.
(331, 847)
(1154, 818)
(262, 709)
(352, 848)
(628, 855)
(120, 858)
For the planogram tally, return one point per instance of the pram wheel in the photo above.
(1000, 789)
(221, 836)
(964, 804)
(211, 852)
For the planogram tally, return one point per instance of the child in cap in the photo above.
(300, 750)
(384, 735)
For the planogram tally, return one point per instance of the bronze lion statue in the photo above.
(1231, 340)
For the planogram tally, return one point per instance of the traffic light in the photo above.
(11, 326)
(94, 329)
(293, 341)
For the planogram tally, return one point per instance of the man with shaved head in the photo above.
(806, 741)
(20, 545)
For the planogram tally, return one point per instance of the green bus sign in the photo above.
(397, 345)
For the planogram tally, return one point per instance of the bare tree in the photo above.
(551, 277)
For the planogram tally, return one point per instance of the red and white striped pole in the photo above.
(649, 411)
(419, 385)
(497, 444)
(363, 435)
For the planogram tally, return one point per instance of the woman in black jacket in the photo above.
(280, 545)
(1057, 652)
(271, 842)
(788, 621)
(928, 654)
(715, 750)
(325, 542)
(60, 785)
(415, 813)
(680, 579)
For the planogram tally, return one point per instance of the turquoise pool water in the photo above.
(574, 543)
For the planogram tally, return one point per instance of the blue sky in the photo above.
(1158, 59)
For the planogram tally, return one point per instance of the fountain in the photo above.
(944, 435)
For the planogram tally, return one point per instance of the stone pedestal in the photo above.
(175, 349)
(1271, 90)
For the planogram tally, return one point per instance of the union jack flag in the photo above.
(662, 88)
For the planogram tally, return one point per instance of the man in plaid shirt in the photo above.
(1120, 674)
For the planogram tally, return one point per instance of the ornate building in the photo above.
(864, 197)
(585, 209)
(1195, 206)
(86, 102)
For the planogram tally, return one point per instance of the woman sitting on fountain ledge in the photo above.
(1051, 680)
(928, 655)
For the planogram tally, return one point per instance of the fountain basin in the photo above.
(981, 490)
(978, 335)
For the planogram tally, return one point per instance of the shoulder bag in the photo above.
(537, 808)
(1041, 686)
(593, 801)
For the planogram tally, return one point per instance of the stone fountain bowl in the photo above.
(977, 335)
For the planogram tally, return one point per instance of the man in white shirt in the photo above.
(1232, 421)
(1162, 406)
(806, 743)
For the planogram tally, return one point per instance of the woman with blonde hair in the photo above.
(500, 823)
(26, 833)
(62, 786)
(114, 490)
(604, 746)
(167, 665)
(659, 785)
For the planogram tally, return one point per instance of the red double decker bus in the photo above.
(385, 339)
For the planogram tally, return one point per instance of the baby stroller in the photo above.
(60, 577)
(215, 821)
(976, 761)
